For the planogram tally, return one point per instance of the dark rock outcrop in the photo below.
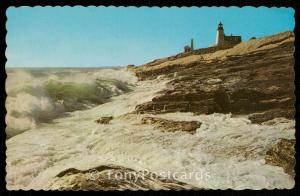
(104, 120)
(282, 154)
(254, 78)
(111, 177)
(172, 126)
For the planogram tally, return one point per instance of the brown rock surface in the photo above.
(111, 177)
(282, 155)
(172, 126)
(254, 77)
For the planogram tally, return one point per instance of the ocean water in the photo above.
(35, 96)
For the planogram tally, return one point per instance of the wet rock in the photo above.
(282, 154)
(104, 120)
(172, 126)
(111, 177)
(222, 103)
(259, 118)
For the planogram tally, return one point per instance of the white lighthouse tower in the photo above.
(220, 34)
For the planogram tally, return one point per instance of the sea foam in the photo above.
(36, 96)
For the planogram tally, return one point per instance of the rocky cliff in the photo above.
(254, 78)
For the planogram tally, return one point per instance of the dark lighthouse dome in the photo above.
(220, 26)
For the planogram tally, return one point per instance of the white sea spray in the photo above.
(35, 96)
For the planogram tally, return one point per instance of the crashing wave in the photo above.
(40, 96)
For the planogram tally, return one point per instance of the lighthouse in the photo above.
(220, 34)
(223, 40)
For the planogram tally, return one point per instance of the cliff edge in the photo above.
(254, 78)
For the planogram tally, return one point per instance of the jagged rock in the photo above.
(104, 120)
(271, 114)
(111, 177)
(172, 126)
(254, 78)
(282, 154)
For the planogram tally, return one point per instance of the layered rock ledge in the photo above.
(254, 78)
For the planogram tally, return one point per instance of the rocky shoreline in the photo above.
(228, 113)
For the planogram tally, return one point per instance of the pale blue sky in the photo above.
(117, 36)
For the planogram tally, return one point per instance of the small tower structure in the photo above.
(189, 48)
(192, 44)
